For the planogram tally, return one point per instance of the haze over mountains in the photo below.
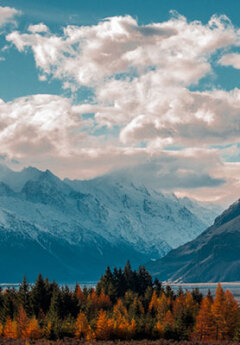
(212, 257)
(70, 230)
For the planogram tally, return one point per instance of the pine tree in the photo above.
(144, 280)
(39, 296)
(8, 307)
(129, 277)
(157, 287)
(55, 309)
(23, 296)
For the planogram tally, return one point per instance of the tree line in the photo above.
(126, 304)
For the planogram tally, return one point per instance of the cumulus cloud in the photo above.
(141, 77)
(38, 28)
(232, 59)
(7, 15)
(88, 54)
(39, 124)
(190, 118)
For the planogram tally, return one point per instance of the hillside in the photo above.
(211, 257)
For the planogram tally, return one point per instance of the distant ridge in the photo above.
(71, 230)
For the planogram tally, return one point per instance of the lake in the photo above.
(203, 287)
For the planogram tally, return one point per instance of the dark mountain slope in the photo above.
(213, 256)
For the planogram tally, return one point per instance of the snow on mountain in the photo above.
(81, 226)
(138, 213)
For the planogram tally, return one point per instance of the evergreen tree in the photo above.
(55, 309)
(129, 277)
(8, 308)
(144, 280)
(23, 296)
(39, 296)
(157, 285)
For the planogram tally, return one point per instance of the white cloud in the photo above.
(87, 54)
(39, 125)
(38, 28)
(141, 77)
(7, 15)
(188, 118)
(232, 59)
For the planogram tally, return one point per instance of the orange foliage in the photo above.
(103, 327)
(218, 313)
(230, 315)
(79, 294)
(10, 329)
(104, 301)
(22, 322)
(81, 326)
(204, 328)
(153, 305)
(33, 330)
(162, 308)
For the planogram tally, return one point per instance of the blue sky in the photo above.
(154, 89)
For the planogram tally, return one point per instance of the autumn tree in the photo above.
(230, 315)
(10, 329)
(33, 330)
(205, 326)
(22, 322)
(218, 313)
(103, 326)
(81, 326)
(153, 305)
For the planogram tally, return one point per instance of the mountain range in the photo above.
(70, 230)
(214, 256)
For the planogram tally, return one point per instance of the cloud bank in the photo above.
(148, 111)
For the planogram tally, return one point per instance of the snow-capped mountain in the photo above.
(70, 230)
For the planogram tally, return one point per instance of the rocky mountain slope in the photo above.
(212, 257)
(70, 230)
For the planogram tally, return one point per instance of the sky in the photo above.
(150, 88)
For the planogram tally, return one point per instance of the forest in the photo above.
(125, 305)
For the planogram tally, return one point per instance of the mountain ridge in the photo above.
(98, 221)
(213, 256)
